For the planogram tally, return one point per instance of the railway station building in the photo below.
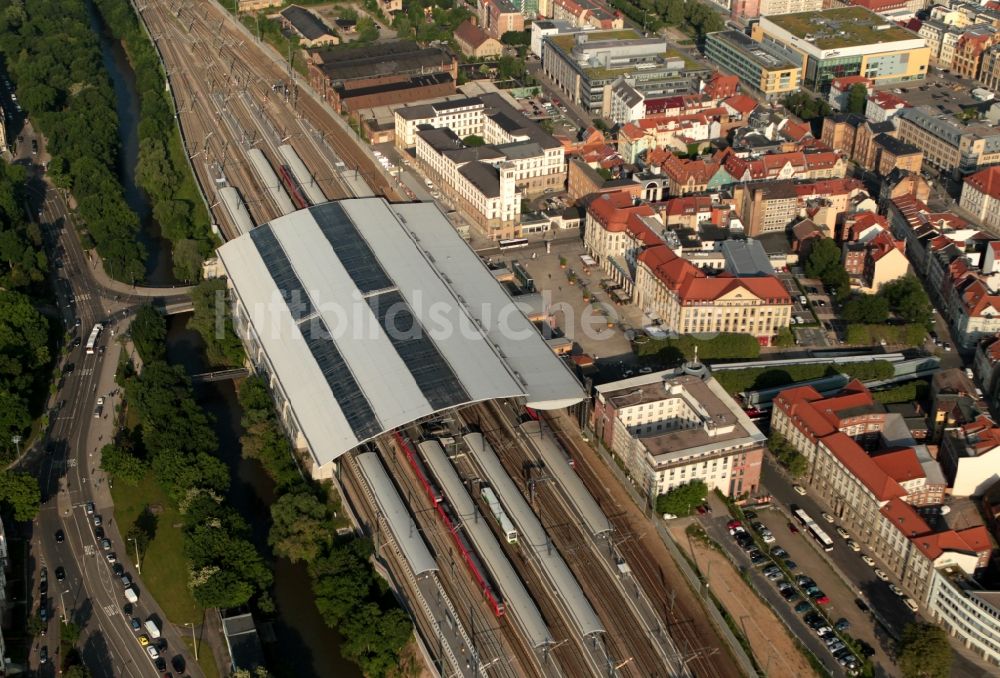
(365, 316)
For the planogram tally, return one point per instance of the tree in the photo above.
(76, 671)
(20, 492)
(681, 500)
(143, 529)
(785, 338)
(866, 309)
(857, 98)
(212, 321)
(924, 652)
(188, 260)
(473, 140)
(907, 299)
(300, 529)
(122, 465)
(824, 263)
(515, 38)
(149, 333)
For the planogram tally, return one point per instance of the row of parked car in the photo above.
(804, 594)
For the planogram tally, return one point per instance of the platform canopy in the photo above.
(371, 316)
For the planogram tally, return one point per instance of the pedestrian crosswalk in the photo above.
(88, 549)
(110, 610)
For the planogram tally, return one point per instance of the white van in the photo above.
(151, 628)
(130, 595)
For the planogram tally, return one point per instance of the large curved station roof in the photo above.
(371, 316)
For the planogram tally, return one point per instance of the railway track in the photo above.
(676, 605)
(630, 647)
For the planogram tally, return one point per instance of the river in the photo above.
(303, 646)
(159, 262)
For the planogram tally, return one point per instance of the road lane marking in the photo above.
(110, 610)
(88, 549)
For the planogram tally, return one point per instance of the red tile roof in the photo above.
(986, 181)
(741, 103)
(471, 34)
(861, 466)
(613, 210)
(900, 465)
(691, 284)
(905, 518)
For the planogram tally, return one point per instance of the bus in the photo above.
(821, 537)
(92, 339)
(513, 243)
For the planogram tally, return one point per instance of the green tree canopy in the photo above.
(924, 652)
(907, 299)
(824, 263)
(866, 308)
(300, 528)
(20, 492)
(211, 319)
(857, 98)
(122, 465)
(681, 500)
(149, 333)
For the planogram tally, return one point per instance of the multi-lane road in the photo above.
(63, 535)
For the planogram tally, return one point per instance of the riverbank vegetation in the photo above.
(53, 56)
(173, 437)
(162, 171)
(350, 597)
(753, 378)
(212, 320)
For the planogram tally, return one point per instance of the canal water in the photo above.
(303, 646)
(159, 262)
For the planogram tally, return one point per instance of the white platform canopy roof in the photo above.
(374, 315)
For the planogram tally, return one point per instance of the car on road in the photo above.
(60, 536)
(106, 544)
(90, 508)
(842, 624)
(43, 654)
(733, 524)
(152, 652)
(881, 575)
(126, 580)
(112, 558)
(99, 533)
(97, 520)
(792, 528)
(853, 545)
(117, 569)
(911, 603)
(827, 517)
(143, 640)
(799, 489)
(68, 369)
(898, 591)
(868, 560)
(60, 573)
(844, 534)
(862, 605)
(135, 624)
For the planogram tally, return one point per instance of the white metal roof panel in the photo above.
(533, 537)
(557, 464)
(405, 531)
(517, 600)
(546, 379)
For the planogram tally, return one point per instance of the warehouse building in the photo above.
(365, 316)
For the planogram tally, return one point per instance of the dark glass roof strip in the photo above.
(352, 250)
(280, 268)
(433, 374)
(351, 399)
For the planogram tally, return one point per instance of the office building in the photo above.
(765, 68)
(669, 428)
(948, 144)
(981, 196)
(846, 41)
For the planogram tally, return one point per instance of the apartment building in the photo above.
(771, 206)
(476, 43)
(948, 144)
(463, 116)
(587, 14)
(967, 610)
(767, 69)
(689, 301)
(891, 153)
(618, 228)
(883, 105)
(672, 133)
(967, 59)
(981, 196)
(497, 17)
(846, 41)
(874, 260)
(670, 428)
(751, 9)
(583, 64)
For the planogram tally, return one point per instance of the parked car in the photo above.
(911, 603)
(767, 537)
(853, 545)
(97, 519)
(862, 605)
(152, 652)
(844, 534)
(90, 508)
(804, 606)
(881, 575)
(799, 489)
(733, 524)
(827, 517)
(804, 581)
(842, 624)
(106, 544)
(868, 560)
(792, 528)
(135, 624)
(43, 654)
(778, 552)
(898, 591)
(791, 564)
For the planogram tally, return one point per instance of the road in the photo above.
(67, 468)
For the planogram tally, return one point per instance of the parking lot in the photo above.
(948, 94)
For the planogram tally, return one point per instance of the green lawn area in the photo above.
(205, 659)
(164, 567)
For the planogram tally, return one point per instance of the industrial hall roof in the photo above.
(371, 316)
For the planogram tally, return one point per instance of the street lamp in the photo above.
(16, 439)
(138, 560)
(194, 639)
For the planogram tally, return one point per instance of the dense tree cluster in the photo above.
(693, 16)
(824, 262)
(22, 260)
(753, 378)
(905, 298)
(857, 98)
(24, 356)
(211, 319)
(721, 346)
(21, 494)
(349, 595)
(179, 444)
(807, 106)
(161, 171)
(787, 456)
(52, 54)
(440, 24)
(924, 651)
(912, 391)
(680, 501)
